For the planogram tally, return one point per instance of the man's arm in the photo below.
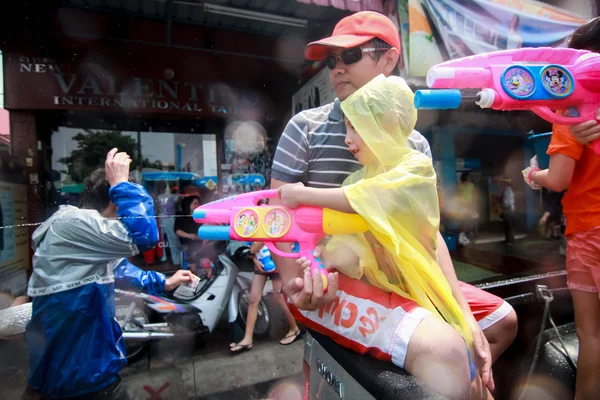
(135, 209)
(131, 278)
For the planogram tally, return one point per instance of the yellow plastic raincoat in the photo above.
(397, 197)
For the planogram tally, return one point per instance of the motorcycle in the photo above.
(197, 309)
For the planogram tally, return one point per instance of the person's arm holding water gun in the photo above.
(588, 131)
(297, 194)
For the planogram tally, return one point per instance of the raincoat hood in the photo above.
(40, 233)
(384, 115)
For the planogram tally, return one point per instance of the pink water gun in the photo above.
(538, 79)
(247, 221)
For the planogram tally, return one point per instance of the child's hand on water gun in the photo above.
(290, 194)
(587, 132)
(320, 252)
(307, 292)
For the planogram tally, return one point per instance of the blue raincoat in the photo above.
(75, 344)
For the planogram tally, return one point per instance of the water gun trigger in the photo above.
(273, 248)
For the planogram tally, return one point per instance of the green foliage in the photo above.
(91, 151)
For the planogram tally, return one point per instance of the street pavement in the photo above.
(207, 371)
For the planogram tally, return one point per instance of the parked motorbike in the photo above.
(196, 309)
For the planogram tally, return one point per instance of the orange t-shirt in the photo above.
(581, 203)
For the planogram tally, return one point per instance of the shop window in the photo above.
(160, 160)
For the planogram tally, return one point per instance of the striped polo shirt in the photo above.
(312, 150)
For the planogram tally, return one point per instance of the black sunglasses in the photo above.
(349, 56)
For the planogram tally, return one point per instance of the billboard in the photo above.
(448, 29)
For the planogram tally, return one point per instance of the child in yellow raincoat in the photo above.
(395, 192)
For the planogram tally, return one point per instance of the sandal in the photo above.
(297, 335)
(242, 348)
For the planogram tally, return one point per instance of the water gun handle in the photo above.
(315, 262)
(586, 111)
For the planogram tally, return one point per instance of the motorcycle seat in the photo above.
(553, 361)
(381, 379)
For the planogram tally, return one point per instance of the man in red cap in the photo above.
(312, 150)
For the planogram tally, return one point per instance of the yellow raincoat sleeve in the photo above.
(397, 196)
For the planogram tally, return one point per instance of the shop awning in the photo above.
(350, 5)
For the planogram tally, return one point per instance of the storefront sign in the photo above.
(46, 83)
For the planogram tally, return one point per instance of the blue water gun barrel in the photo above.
(442, 99)
(211, 232)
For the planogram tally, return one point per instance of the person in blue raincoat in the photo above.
(75, 344)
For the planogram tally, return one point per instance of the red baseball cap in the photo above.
(353, 31)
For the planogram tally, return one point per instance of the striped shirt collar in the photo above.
(336, 113)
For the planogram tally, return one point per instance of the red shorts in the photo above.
(486, 307)
(368, 320)
(583, 261)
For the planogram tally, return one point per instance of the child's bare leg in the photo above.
(587, 323)
(256, 289)
(437, 355)
(293, 331)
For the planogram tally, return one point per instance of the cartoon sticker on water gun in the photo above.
(518, 81)
(245, 224)
(556, 80)
(277, 222)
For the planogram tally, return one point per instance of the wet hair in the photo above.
(379, 44)
(186, 204)
(95, 191)
(587, 37)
